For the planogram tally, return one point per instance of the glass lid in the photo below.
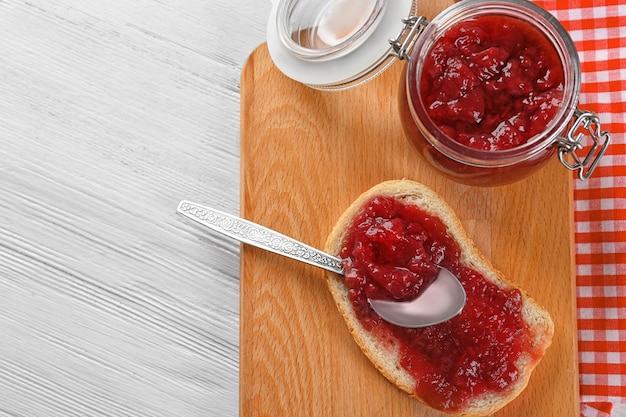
(323, 29)
(334, 44)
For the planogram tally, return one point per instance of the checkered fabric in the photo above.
(598, 29)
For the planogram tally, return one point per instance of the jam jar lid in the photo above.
(334, 44)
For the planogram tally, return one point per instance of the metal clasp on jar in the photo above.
(586, 124)
(411, 29)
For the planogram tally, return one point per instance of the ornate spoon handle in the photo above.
(256, 235)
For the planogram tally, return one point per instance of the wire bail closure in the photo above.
(587, 124)
(411, 29)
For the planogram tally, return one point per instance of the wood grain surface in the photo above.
(306, 155)
(111, 112)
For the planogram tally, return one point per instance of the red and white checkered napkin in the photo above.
(598, 29)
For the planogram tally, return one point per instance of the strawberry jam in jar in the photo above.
(489, 91)
(491, 88)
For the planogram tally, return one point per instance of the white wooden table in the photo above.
(110, 113)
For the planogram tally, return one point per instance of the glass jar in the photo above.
(334, 44)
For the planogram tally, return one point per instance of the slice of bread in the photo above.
(385, 354)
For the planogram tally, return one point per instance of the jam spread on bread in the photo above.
(391, 251)
(492, 82)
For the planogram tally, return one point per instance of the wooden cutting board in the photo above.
(306, 155)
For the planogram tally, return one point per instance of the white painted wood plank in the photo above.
(110, 113)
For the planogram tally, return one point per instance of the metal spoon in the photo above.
(440, 301)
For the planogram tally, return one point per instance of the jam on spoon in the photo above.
(418, 311)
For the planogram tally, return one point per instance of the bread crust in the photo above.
(384, 355)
